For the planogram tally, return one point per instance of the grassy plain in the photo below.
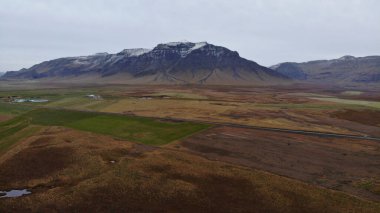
(268, 107)
(80, 154)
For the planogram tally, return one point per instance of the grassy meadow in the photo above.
(138, 129)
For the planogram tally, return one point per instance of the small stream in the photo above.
(14, 193)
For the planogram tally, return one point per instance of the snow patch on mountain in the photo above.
(198, 46)
(134, 52)
(182, 47)
(346, 57)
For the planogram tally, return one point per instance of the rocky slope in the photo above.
(345, 70)
(175, 62)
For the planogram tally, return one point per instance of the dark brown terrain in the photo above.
(99, 174)
(336, 163)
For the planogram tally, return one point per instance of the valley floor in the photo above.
(180, 148)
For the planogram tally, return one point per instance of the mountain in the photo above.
(175, 62)
(344, 70)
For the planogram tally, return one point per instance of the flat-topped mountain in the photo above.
(344, 70)
(175, 62)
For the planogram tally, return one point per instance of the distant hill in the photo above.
(344, 70)
(175, 62)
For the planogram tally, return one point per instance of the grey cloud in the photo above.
(266, 31)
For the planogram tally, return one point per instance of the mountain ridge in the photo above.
(173, 62)
(344, 70)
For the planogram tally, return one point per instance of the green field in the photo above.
(13, 109)
(138, 129)
(14, 130)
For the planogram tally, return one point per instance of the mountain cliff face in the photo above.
(347, 69)
(175, 62)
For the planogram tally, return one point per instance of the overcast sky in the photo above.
(265, 31)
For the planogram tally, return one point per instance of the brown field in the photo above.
(258, 106)
(367, 117)
(336, 163)
(97, 173)
(5, 117)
